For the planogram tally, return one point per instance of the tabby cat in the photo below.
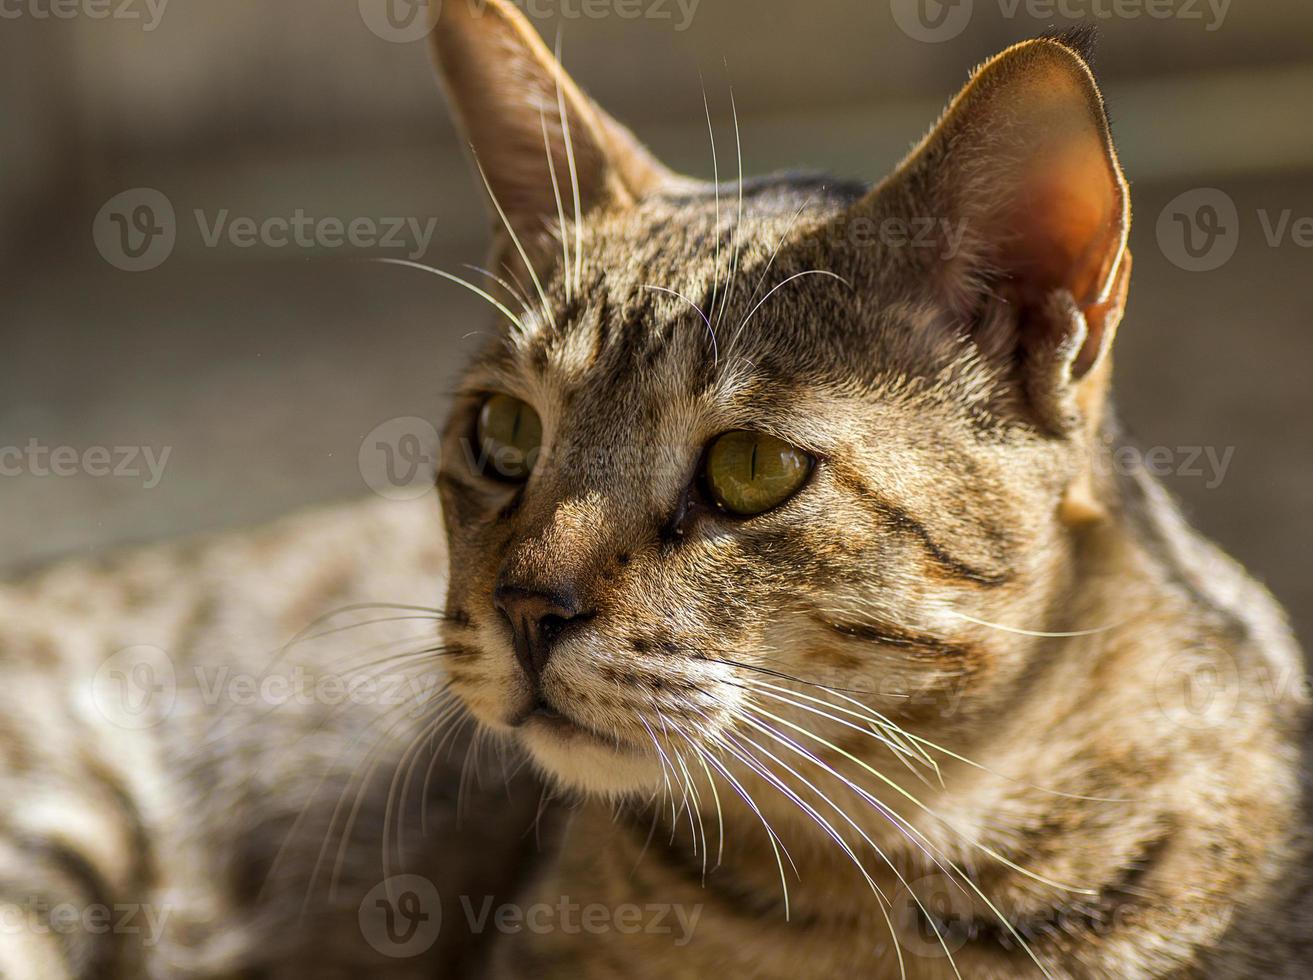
(781, 540)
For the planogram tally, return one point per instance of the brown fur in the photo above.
(947, 671)
(958, 521)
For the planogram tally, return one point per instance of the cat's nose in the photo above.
(537, 618)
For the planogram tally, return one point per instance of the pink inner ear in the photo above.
(1064, 222)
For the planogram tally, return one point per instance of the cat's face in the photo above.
(735, 454)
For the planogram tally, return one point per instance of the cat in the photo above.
(777, 535)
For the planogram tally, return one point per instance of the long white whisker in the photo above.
(793, 746)
(720, 816)
(1036, 633)
(738, 225)
(878, 727)
(513, 289)
(715, 347)
(515, 239)
(715, 177)
(970, 840)
(777, 845)
(771, 262)
(574, 173)
(796, 275)
(560, 208)
(484, 294)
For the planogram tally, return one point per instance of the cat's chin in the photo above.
(592, 766)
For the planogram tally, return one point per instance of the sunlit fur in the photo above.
(942, 657)
(971, 703)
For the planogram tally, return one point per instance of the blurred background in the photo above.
(146, 143)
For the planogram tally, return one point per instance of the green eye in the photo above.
(510, 435)
(748, 473)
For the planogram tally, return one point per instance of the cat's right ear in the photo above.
(548, 153)
(1022, 176)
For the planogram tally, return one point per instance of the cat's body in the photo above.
(914, 684)
(186, 830)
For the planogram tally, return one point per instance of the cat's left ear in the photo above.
(1022, 172)
(542, 144)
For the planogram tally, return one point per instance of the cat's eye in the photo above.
(748, 473)
(510, 436)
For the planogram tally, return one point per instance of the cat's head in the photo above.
(736, 450)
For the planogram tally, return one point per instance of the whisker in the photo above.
(904, 755)
(560, 207)
(412, 752)
(738, 225)
(715, 347)
(715, 179)
(796, 275)
(793, 746)
(777, 845)
(965, 837)
(515, 239)
(757, 668)
(1036, 633)
(497, 304)
(666, 768)
(574, 171)
(771, 262)
(513, 289)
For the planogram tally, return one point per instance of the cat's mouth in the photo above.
(541, 715)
